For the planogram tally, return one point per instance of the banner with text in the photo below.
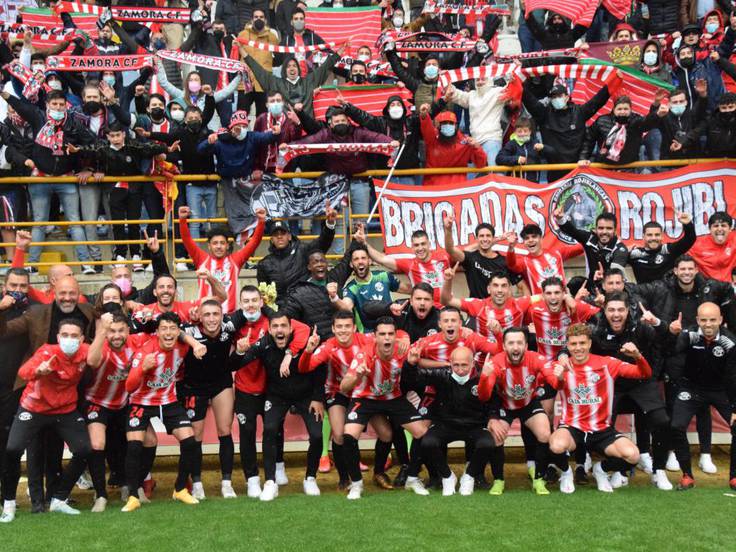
(509, 203)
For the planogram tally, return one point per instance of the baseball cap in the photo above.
(280, 226)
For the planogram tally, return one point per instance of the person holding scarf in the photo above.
(277, 115)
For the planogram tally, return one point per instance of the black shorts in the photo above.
(195, 401)
(522, 414)
(172, 415)
(645, 395)
(400, 411)
(594, 441)
(248, 407)
(546, 392)
(98, 414)
(337, 399)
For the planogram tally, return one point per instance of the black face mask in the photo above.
(219, 35)
(687, 62)
(358, 78)
(621, 119)
(194, 126)
(91, 107)
(259, 24)
(341, 129)
(112, 308)
(21, 299)
(157, 113)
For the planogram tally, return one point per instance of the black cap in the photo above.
(280, 226)
(691, 28)
(558, 90)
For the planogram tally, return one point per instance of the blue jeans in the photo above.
(202, 200)
(491, 147)
(526, 38)
(652, 149)
(410, 180)
(41, 202)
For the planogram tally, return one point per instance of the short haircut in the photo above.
(551, 281)
(684, 259)
(720, 216)
(192, 109)
(337, 111)
(385, 320)
(22, 272)
(272, 93)
(419, 234)
(677, 92)
(606, 216)
(575, 283)
(614, 272)
(727, 98)
(500, 275)
(343, 315)
(211, 303)
(358, 62)
(275, 315)
(579, 329)
(617, 296)
(451, 309)
(358, 247)
(524, 122)
(55, 95)
(296, 11)
(215, 231)
(250, 289)
(115, 126)
(71, 322)
(652, 224)
(168, 317)
(485, 226)
(423, 286)
(516, 329)
(530, 230)
(156, 96)
(117, 318)
(160, 277)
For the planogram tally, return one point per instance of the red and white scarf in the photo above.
(51, 135)
(614, 142)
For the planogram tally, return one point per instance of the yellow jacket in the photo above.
(263, 57)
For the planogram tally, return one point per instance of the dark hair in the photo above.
(516, 329)
(720, 216)
(117, 318)
(551, 281)
(343, 315)
(55, 95)
(223, 231)
(275, 315)
(358, 247)
(450, 308)
(160, 276)
(358, 62)
(38, 55)
(684, 259)
(575, 283)
(298, 10)
(423, 286)
(192, 109)
(211, 303)
(652, 224)
(22, 272)
(98, 298)
(606, 216)
(614, 272)
(385, 320)
(501, 274)
(419, 234)
(250, 288)
(530, 230)
(168, 317)
(273, 92)
(115, 126)
(727, 98)
(622, 100)
(677, 92)
(524, 122)
(337, 111)
(617, 296)
(157, 97)
(71, 322)
(485, 226)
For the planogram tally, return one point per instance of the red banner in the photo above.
(130, 13)
(99, 63)
(578, 11)
(202, 60)
(621, 53)
(290, 151)
(509, 203)
(361, 26)
(368, 97)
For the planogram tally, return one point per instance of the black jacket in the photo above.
(613, 255)
(19, 142)
(236, 13)
(192, 161)
(309, 37)
(287, 266)
(551, 38)
(563, 129)
(512, 150)
(720, 134)
(597, 133)
(650, 265)
(663, 17)
(681, 127)
(456, 405)
(407, 321)
(125, 161)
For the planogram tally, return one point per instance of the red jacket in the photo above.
(449, 154)
(54, 393)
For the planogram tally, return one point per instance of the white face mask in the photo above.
(68, 345)
(395, 112)
(243, 134)
(38, 67)
(252, 316)
(364, 57)
(177, 115)
(650, 58)
(55, 85)
(462, 380)
(398, 21)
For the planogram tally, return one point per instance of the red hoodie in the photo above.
(54, 393)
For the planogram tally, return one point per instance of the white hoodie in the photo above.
(485, 108)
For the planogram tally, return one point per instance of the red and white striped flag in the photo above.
(579, 11)
(42, 17)
(359, 25)
(368, 97)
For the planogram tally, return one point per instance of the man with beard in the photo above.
(715, 253)
(655, 259)
(538, 264)
(417, 316)
(286, 388)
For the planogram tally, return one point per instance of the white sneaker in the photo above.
(254, 487)
(142, 496)
(84, 482)
(99, 506)
(415, 484)
(672, 463)
(661, 481)
(619, 480)
(567, 483)
(601, 479)
(467, 485)
(281, 478)
(198, 490)
(8, 514)
(448, 485)
(227, 490)
(62, 507)
(588, 464)
(120, 259)
(355, 491)
(645, 462)
(310, 487)
(706, 464)
(182, 267)
(270, 491)
(137, 267)
(88, 269)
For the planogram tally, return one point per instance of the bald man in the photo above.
(703, 370)
(460, 416)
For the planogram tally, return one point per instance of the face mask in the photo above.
(448, 131)
(431, 71)
(112, 307)
(194, 126)
(21, 299)
(252, 316)
(259, 24)
(38, 67)
(364, 57)
(677, 110)
(711, 27)
(462, 380)
(687, 62)
(194, 87)
(219, 35)
(676, 43)
(621, 119)
(177, 115)
(559, 102)
(298, 26)
(358, 78)
(276, 108)
(124, 284)
(522, 139)
(157, 113)
(340, 129)
(68, 345)
(398, 21)
(56, 115)
(650, 58)
(243, 133)
(91, 107)
(159, 44)
(396, 112)
(726, 115)
(55, 85)
(109, 79)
